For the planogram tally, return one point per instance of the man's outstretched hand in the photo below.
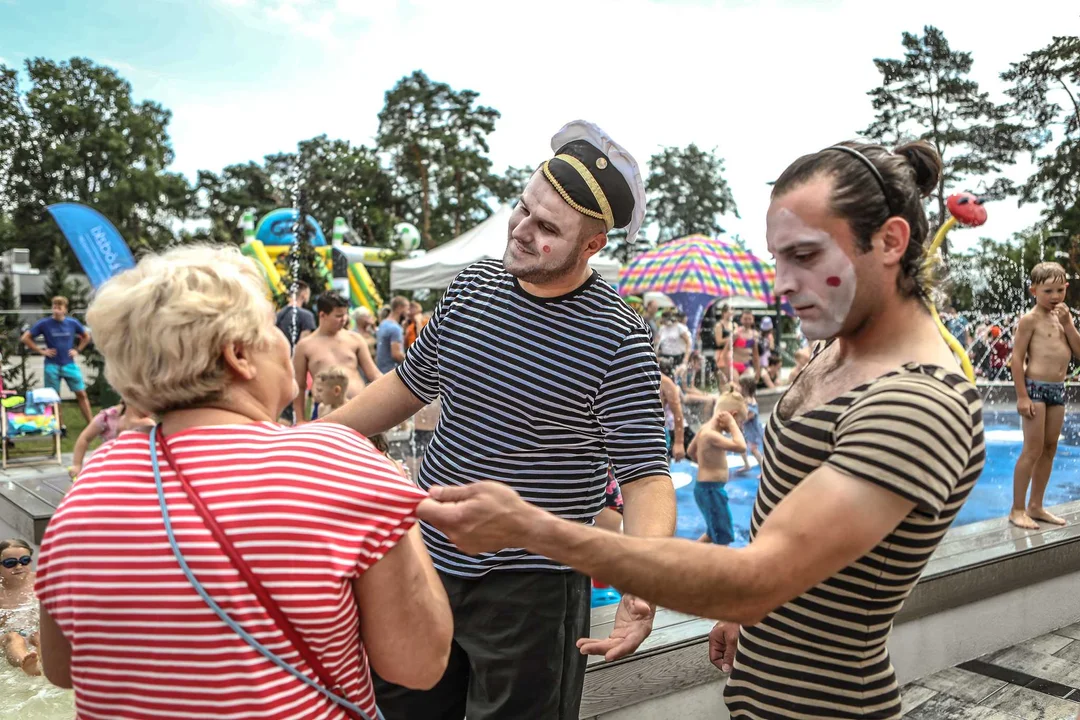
(633, 623)
(489, 516)
(479, 517)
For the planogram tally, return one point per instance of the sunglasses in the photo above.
(12, 562)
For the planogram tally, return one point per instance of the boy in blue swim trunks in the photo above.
(65, 337)
(1046, 340)
(709, 449)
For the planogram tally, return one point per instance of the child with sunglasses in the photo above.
(18, 616)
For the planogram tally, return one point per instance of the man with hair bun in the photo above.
(869, 456)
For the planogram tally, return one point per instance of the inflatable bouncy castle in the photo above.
(345, 266)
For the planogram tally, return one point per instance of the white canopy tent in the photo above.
(437, 268)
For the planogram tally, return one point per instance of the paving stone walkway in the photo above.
(1038, 679)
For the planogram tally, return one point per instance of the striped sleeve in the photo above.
(420, 370)
(628, 408)
(910, 434)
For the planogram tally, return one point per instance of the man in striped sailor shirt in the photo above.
(546, 377)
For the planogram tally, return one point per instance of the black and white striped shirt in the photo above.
(539, 393)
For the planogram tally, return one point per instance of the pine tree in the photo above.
(687, 192)
(1045, 88)
(60, 282)
(929, 95)
(11, 349)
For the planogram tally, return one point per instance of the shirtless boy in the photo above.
(331, 345)
(709, 449)
(1046, 339)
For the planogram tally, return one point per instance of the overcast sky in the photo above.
(762, 82)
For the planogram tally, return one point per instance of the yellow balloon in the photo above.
(953, 343)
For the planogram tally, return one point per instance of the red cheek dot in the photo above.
(547, 248)
(832, 281)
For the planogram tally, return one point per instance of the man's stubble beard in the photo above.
(541, 275)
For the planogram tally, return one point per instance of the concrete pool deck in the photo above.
(30, 491)
(1037, 679)
(981, 574)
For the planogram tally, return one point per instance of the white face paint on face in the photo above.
(814, 273)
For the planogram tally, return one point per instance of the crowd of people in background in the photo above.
(359, 347)
(483, 610)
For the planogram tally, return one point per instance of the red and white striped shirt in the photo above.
(309, 509)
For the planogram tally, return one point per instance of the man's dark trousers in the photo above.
(514, 655)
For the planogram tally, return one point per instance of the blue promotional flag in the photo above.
(97, 244)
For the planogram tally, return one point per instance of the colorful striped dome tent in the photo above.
(696, 270)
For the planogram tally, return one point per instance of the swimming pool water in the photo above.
(991, 497)
(26, 698)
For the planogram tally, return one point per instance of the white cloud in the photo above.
(763, 83)
(119, 65)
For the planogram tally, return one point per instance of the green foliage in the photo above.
(928, 95)
(227, 196)
(688, 192)
(302, 263)
(59, 282)
(12, 351)
(339, 180)
(623, 251)
(509, 187)
(75, 134)
(1045, 88)
(70, 131)
(992, 278)
(437, 142)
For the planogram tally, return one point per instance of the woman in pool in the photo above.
(722, 359)
(691, 381)
(18, 612)
(305, 536)
(745, 348)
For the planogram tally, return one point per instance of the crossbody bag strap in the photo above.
(330, 688)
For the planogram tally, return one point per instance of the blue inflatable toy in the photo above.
(605, 596)
(276, 228)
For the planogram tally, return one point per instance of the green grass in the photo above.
(26, 447)
(75, 422)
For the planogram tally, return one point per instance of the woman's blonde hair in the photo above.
(162, 325)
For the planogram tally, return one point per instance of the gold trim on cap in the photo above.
(597, 191)
(566, 196)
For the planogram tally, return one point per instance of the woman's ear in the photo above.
(238, 361)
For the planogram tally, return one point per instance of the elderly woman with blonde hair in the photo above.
(228, 564)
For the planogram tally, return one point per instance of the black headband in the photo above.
(872, 168)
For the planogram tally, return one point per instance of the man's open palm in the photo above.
(633, 623)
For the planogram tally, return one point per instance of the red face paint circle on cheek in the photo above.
(832, 281)
(547, 248)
